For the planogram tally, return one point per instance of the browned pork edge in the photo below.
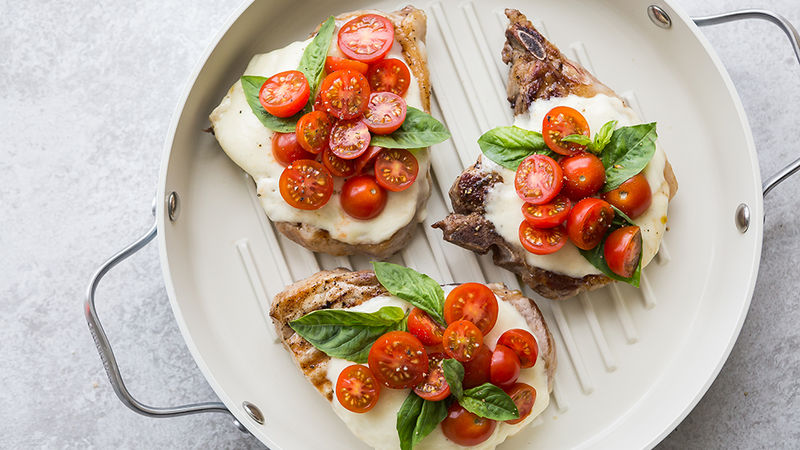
(341, 288)
(538, 71)
(410, 28)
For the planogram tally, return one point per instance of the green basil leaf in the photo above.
(602, 137)
(252, 85)
(416, 288)
(347, 334)
(489, 401)
(454, 374)
(313, 61)
(508, 146)
(577, 139)
(417, 418)
(418, 130)
(628, 152)
(596, 256)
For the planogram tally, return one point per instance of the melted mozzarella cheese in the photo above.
(377, 427)
(504, 207)
(248, 143)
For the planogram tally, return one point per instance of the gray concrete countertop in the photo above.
(88, 89)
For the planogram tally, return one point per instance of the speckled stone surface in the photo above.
(87, 90)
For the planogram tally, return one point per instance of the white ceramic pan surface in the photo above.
(632, 362)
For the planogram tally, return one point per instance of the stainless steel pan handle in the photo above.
(107, 354)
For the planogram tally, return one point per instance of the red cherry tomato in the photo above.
(465, 428)
(523, 344)
(385, 113)
(632, 197)
(398, 360)
(367, 159)
(474, 302)
(588, 222)
(338, 167)
(548, 215)
(434, 387)
(344, 94)
(541, 241)
(362, 197)
(427, 330)
(524, 397)
(287, 150)
(389, 75)
(349, 139)
(560, 122)
(396, 169)
(476, 370)
(284, 94)
(538, 179)
(505, 366)
(584, 174)
(622, 250)
(366, 38)
(333, 63)
(305, 184)
(462, 340)
(313, 130)
(357, 389)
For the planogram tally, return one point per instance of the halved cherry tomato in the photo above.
(349, 139)
(632, 197)
(305, 184)
(362, 197)
(427, 330)
(538, 179)
(505, 366)
(560, 122)
(541, 241)
(474, 302)
(524, 397)
(462, 340)
(396, 169)
(284, 94)
(344, 94)
(476, 370)
(385, 112)
(434, 386)
(334, 63)
(548, 215)
(338, 167)
(366, 38)
(367, 159)
(313, 130)
(588, 222)
(398, 360)
(622, 250)
(584, 174)
(389, 75)
(357, 389)
(287, 150)
(465, 428)
(523, 344)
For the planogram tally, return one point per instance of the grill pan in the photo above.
(632, 363)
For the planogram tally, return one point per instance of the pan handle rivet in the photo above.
(172, 206)
(742, 217)
(253, 411)
(658, 16)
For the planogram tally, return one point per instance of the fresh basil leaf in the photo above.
(454, 374)
(251, 86)
(602, 137)
(508, 146)
(419, 130)
(596, 256)
(577, 139)
(416, 288)
(628, 152)
(489, 401)
(417, 418)
(313, 61)
(347, 334)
